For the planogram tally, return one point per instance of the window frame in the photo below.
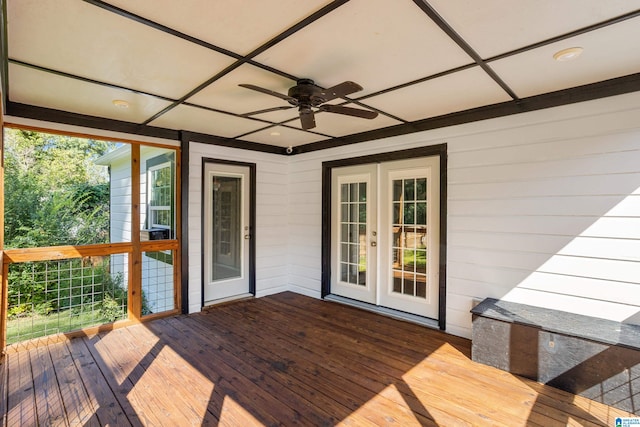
(153, 164)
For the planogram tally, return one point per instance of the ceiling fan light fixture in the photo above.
(120, 103)
(568, 54)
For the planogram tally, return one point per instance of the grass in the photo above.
(418, 258)
(39, 325)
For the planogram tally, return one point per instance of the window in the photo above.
(160, 196)
(159, 223)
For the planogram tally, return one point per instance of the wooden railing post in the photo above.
(135, 262)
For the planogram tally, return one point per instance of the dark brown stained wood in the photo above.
(110, 369)
(162, 364)
(21, 402)
(178, 331)
(332, 383)
(75, 400)
(48, 400)
(372, 372)
(273, 374)
(281, 360)
(107, 409)
(384, 332)
(222, 362)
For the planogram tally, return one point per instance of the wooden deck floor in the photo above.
(279, 360)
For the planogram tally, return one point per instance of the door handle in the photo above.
(374, 244)
(247, 236)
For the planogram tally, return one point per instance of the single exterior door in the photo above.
(227, 231)
(385, 234)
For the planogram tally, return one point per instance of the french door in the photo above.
(227, 231)
(385, 234)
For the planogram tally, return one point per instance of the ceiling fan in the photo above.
(306, 96)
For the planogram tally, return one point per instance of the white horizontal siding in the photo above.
(271, 223)
(550, 219)
(543, 208)
(120, 201)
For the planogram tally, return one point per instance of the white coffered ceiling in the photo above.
(179, 64)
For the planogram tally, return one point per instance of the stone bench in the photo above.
(587, 356)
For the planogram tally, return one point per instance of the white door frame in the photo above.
(248, 239)
(440, 151)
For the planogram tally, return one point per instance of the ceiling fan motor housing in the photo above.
(306, 94)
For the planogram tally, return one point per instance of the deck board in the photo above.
(283, 360)
(77, 406)
(21, 406)
(107, 409)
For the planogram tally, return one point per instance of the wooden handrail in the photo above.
(51, 253)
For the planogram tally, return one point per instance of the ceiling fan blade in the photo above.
(266, 110)
(340, 90)
(307, 119)
(267, 91)
(355, 112)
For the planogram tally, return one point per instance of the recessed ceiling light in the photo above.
(568, 54)
(120, 103)
(275, 134)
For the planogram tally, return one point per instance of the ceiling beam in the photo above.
(275, 40)
(233, 143)
(4, 52)
(607, 88)
(589, 92)
(58, 116)
(457, 38)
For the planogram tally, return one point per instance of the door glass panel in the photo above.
(226, 255)
(409, 237)
(353, 233)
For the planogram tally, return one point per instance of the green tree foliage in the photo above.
(55, 194)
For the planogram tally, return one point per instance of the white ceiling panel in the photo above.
(85, 40)
(283, 137)
(454, 92)
(184, 117)
(376, 43)
(608, 53)
(493, 27)
(237, 25)
(34, 87)
(280, 116)
(225, 94)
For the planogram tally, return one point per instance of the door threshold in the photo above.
(227, 299)
(396, 314)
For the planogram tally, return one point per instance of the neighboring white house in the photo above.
(157, 218)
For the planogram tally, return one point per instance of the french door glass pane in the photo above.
(353, 233)
(409, 237)
(226, 239)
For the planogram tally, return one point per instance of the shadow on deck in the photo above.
(285, 360)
